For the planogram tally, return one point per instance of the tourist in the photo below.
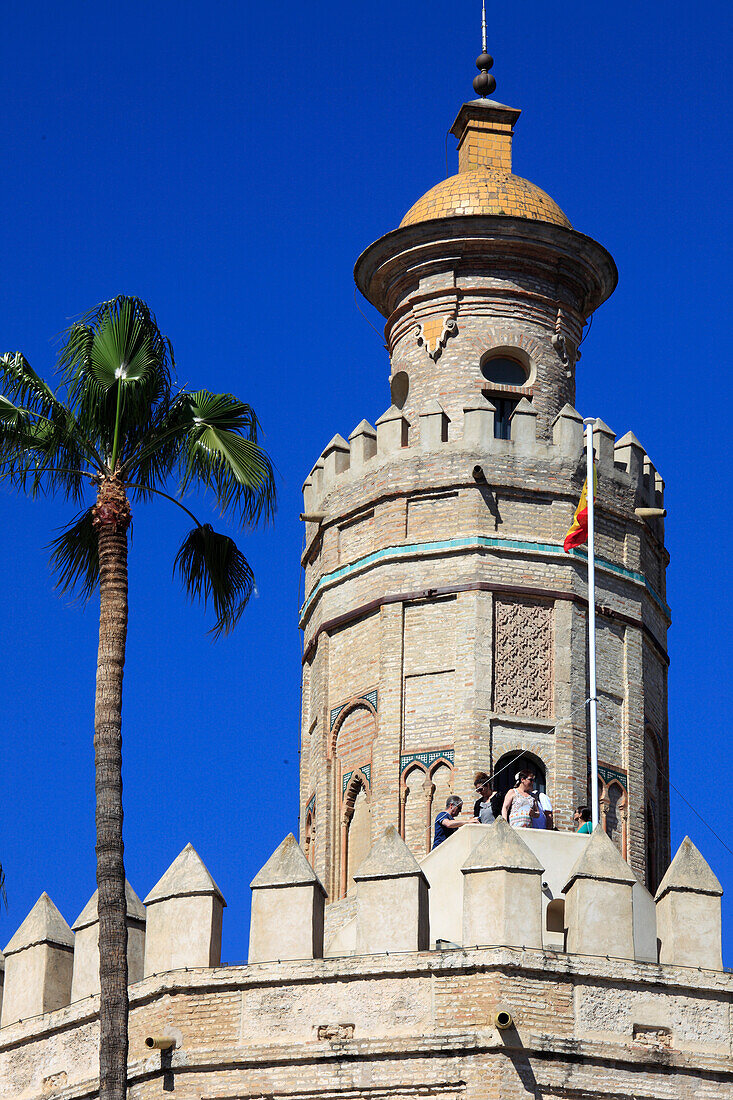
(545, 819)
(520, 804)
(582, 820)
(446, 822)
(482, 809)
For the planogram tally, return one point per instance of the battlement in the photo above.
(562, 892)
(395, 439)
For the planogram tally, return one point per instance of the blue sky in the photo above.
(228, 162)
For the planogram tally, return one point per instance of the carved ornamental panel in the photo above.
(523, 657)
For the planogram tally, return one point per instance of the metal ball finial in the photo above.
(484, 84)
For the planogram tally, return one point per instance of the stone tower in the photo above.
(445, 627)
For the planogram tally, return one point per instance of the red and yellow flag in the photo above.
(578, 533)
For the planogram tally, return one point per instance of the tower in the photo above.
(444, 625)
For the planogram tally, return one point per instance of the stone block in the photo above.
(604, 440)
(478, 425)
(363, 443)
(392, 431)
(335, 460)
(184, 916)
(650, 483)
(38, 964)
(313, 488)
(433, 426)
(392, 911)
(524, 427)
(629, 453)
(688, 912)
(599, 915)
(288, 902)
(502, 891)
(85, 982)
(567, 432)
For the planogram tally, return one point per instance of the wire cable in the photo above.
(361, 311)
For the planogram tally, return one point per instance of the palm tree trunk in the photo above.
(111, 519)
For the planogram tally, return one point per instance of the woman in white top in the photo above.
(520, 804)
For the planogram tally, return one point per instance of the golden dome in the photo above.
(486, 191)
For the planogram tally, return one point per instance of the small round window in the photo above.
(504, 371)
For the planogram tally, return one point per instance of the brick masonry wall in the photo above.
(444, 678)
(400, 1026)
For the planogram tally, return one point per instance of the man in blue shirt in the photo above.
(446, 822)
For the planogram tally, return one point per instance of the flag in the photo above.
(578, 533)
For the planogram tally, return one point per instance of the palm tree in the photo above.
(117, 426)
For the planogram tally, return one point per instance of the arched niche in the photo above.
(356, 837)
(508, 765)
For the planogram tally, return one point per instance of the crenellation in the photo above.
(567, 432)
(340, 468)
(604, 439)
(524, 427)
(335, 460)
(433, 426)
(392, 431)
(363, 444)
(630, 455)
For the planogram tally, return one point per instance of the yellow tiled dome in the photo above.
(484, 191)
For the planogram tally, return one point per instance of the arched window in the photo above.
(612, 803)
(416, 810)
(555, 915)
(507, 370)
(504, 370)
(309, 837)
(441, 786)
(508, 765)
(356, 834)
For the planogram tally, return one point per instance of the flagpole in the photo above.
(590, 496)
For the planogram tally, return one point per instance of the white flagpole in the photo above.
(590, 497)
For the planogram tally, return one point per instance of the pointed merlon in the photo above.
(364, 428)
(392, 413)
(567, 412)
(389, 858)
(601, 861)
(689, 871)
(187, 876)
(525, 408)
(44, 924)
(89, 914)
(502, 849)
(433, 408)
(338, 443)
(287, 866)
(478, 404)
(629, 440)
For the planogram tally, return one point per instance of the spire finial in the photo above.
(484, 84)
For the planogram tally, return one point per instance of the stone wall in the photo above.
(400, 1026)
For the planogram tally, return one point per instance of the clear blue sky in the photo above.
(228, 162)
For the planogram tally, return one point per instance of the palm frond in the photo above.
(116, 365)
(212, 567)
(75, 557)
(221, 450)
(157, 454)
(21, 382)
(3, 895)
(42, 454)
